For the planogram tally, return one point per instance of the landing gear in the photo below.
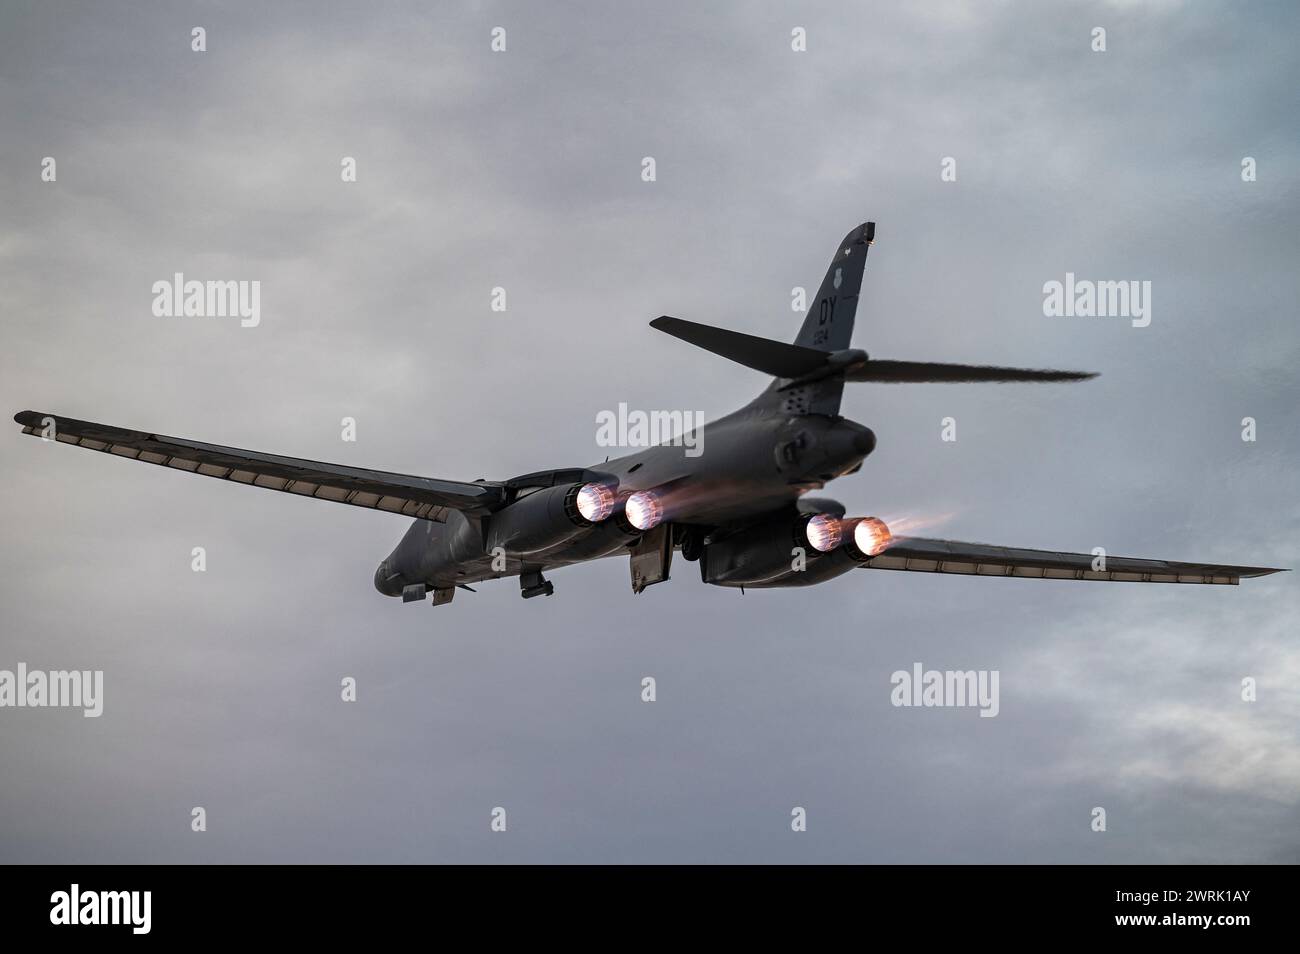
(692, 543)
(531, 583)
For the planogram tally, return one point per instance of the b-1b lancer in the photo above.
(740, 509)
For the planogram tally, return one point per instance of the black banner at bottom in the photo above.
(102, 903)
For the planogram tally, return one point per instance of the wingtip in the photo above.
(1255, 572)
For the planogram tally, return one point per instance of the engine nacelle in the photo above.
(765, 555)
(769, 550)
(549, 517)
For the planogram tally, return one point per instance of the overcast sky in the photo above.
(522, 169)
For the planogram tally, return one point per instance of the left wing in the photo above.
(425, 497)
(980, 559)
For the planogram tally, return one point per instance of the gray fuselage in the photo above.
(729, 473)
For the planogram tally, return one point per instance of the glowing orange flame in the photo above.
(595, 502)
(871, 536)
(644, 509)
(824, 532)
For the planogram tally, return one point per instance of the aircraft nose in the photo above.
(386, 581)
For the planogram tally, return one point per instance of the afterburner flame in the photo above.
(913, 524)
(595, 502)
(644, 509)
(871, 536)
(824, 532)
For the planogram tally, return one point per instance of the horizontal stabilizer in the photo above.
(799, 364)
(920, 372)
(776, 358)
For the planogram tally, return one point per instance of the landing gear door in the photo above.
(652, 556)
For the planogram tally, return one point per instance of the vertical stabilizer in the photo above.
(829, 324)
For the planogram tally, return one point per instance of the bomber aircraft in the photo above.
(740, 509)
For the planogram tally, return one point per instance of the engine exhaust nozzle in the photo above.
(594, 502)
(871, 537)
(823, 532)
(644, 509)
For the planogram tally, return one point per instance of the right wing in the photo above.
(423, 497)
(980, 559)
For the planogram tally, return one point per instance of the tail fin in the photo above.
(829, 325)
(810, 373)
(828, 328)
